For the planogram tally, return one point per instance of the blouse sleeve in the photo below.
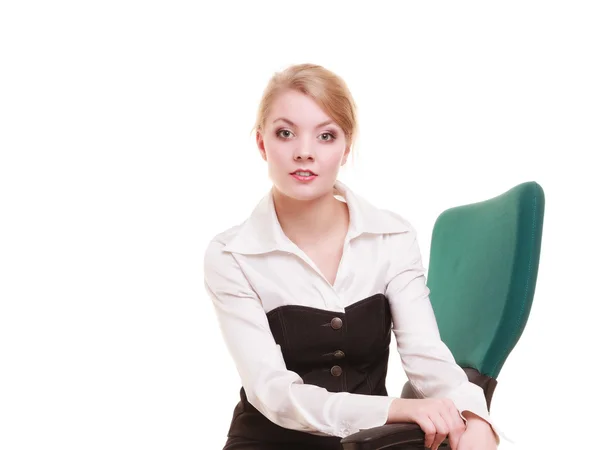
(429, 365)
(278, 393)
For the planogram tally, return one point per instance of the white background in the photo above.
(125, 146)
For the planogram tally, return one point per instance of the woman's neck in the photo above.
(310, 222)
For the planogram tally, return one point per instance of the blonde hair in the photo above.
(327, 89)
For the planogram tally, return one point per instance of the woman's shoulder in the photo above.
(217, 261)
(394, 217)
(222, 238)
(226, 235)
(377, 219)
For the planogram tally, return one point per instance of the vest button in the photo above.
(336, 371)
(339, 354)
(336, 323)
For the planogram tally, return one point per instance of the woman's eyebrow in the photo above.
(327, 122)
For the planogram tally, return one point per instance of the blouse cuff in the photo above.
(360, 412)
(469, 397)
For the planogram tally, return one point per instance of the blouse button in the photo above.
(336, 371)
(336, 323)
(339, 354)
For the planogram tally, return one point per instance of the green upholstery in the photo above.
(482, 274)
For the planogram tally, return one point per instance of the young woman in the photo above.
(310, 287)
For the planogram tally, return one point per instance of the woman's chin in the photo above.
(303, 193)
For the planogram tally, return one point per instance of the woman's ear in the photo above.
(346, 153)
(260, 142)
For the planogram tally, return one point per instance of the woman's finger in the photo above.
(455, 423)
(429, 429)
(441, 429)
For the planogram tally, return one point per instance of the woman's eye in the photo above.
(332, 137)
(279, 133)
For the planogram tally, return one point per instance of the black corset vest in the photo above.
(341, 352)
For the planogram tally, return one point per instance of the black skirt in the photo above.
(235, 443)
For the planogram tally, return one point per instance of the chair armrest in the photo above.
(409, 436)
(391, 436)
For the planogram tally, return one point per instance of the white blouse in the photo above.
(252, 268)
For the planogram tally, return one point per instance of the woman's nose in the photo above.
(303, 151)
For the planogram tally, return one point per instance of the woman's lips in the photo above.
(303, 178)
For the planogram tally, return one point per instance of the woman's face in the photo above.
(298, 135)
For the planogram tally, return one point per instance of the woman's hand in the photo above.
(437, 417)
(479, 435)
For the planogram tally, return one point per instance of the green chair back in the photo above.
(483, 269)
